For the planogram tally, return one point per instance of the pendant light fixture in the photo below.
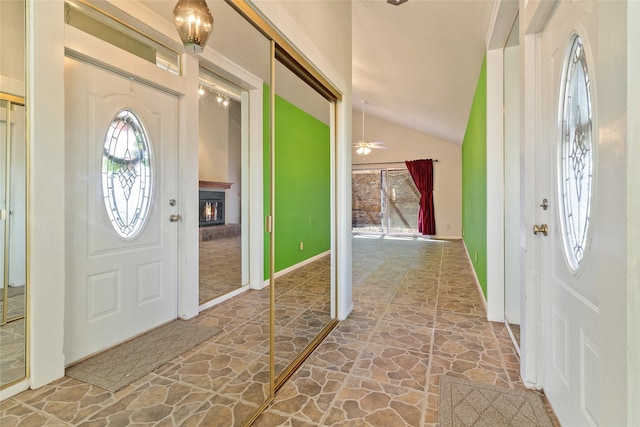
(194, 23)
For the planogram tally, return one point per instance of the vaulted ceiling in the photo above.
(417, 64)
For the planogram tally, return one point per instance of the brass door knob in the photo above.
(174, 218)
(542, 228)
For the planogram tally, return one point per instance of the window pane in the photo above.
(576, 156)
(366, 211)
(404, 202)
(126, 174)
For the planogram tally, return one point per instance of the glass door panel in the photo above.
(367, 198)
(403, 200)
(385, 201)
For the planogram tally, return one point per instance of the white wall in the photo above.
(213, 141)
(408, 144)
(232, 215)
(219, 149)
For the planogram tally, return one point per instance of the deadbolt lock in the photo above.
(545, 204)
(542, 228)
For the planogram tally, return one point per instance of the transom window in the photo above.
(126, 174)
(576, 155)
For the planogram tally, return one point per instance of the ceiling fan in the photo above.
(363, 147)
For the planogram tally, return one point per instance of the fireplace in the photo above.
(211, 208)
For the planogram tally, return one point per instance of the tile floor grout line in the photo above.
(364, 347)
(433, 337)
(47, 415)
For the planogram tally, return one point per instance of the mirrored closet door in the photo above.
(13, 255)
(233, 125)
(13, 195)
(512, 187)
(302, 179)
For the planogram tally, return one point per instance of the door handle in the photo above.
(542, 228)
(174, 218)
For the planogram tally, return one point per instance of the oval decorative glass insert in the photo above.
(126, 174)
(576, 155)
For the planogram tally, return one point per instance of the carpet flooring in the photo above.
(469, 403)
(120, 366)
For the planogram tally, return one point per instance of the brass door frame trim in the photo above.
(300, 358)
(272, 222)
(14, 99)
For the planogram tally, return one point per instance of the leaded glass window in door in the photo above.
(576, 155)
(127, 174)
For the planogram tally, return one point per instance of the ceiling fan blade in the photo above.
(383, 147)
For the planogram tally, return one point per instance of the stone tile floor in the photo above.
(220, 267)
(417, 316)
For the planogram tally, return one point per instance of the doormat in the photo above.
(469, 403)
(120, 366)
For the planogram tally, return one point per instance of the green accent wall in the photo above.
(302, 185)
(474, 181)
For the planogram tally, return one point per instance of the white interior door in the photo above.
(572, 264)
(121, 266)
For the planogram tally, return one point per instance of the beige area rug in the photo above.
(119, 366)
(469, 403)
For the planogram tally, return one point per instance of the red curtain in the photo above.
(422, 173)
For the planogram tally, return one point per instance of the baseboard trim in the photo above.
(297, 266)
(475, 278)
(222, 298)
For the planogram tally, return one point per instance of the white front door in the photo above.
(578, 170)
(122, 252)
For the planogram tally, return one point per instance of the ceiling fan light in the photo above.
(360, 150)
(366, 150)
